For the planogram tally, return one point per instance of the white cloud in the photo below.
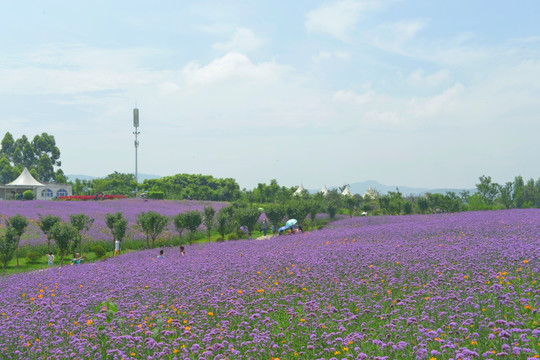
(435, 105)
(338, 18)
(243, 40)
(323, 56)
(421, 79)
(393, 37)
(232, 65)
(353, 98)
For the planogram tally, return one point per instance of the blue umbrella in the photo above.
(283, 228)
(290, 222)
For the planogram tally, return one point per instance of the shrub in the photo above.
(33, 257)
(232, 236)
(99, 251)
(159, 195)
(28, 195)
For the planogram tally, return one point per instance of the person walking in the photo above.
(50, 259)
(116, 247)
(265, 226)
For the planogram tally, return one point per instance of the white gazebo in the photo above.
(324, 190)
(25, 181)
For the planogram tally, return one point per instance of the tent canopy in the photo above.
(25, 180)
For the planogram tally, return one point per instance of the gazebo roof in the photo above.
(25, 180)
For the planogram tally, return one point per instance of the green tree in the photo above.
(531, 194)
(517, 194)
(153, 224)
(248, 216)
(45, 169)
(351, 203)
(6, 170)
(298, 209)
(19, 223)
(275, 213)
(16, 155)
(8, 244)
(59, 177)
(82, 223)
(179, 224)
(8, 146)
(408, 207)
(505, 194)
(28, 156)
(63, 234)
(331, 209)
(423, 204)
(209, 213)
(314, 207)
(193, 220)
(117, 224)
(222, 223)
(385, 203)
(487, 190)
(45, 224)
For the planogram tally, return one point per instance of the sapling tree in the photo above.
(222, 223)
(19, 223)
(152, 224)
(180, 225)
(45, 223)
(63, 234)
(82, 223)
(193, 220)
(8, 244)
(117, 224)
(209, 213)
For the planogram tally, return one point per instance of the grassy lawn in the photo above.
(25, 266)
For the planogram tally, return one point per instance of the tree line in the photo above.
(40, 156)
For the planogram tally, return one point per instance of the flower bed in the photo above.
(91, 197)
(458, 286)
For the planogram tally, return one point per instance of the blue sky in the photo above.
(413, 93)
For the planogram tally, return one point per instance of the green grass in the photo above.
(25, 266)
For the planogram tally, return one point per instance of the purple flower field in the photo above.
(97, 210)
(455, 286)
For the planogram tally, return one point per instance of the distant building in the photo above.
(26, 181)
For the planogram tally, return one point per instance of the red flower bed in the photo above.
(91, 197)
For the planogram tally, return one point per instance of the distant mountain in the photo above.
(141, 177)
(362, 187)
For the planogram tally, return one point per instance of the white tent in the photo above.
(299, 191)
(324, 190)
(24, 181)
(346, 191)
